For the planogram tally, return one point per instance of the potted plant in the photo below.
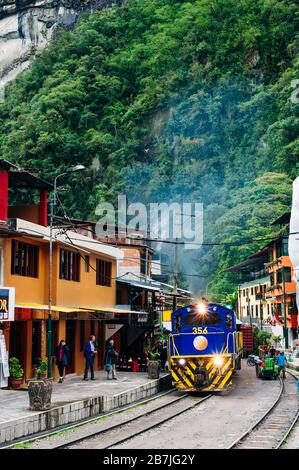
(40, 389)
(35, 366)
(153, 364)
(16, 373)
(276, 340)
(41, 372)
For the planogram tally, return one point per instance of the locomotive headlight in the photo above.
(218, 361)
(182, 361)
(202, 308)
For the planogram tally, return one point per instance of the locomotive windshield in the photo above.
(209, 319)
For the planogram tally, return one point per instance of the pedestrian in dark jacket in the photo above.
(111, 359)
(272, 351)
(89, 354)
(61, 358)
(163, 354)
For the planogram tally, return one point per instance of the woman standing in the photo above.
(111, 359)
(61, 358)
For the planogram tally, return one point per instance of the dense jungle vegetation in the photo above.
(170, 100)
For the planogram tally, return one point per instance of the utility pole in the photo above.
(49, 320)
(261, 307)
(248, 308)
(239, 302)
(146, 263)
(175, 275)
(283, 310)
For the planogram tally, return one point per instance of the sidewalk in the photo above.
(73, 400)
(294, 365)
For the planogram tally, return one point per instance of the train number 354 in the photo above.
(199, 330)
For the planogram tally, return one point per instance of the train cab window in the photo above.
(177, 323)
(229, 321)
(209, 319)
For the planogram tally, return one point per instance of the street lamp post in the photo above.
(49, 321)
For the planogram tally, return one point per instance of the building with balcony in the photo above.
(267, 289)
(84, 279)
(254, 281)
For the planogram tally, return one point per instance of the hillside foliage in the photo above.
(170, 100)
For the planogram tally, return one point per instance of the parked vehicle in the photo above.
(252, 360)
(268, 369)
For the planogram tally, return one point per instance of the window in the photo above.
(24, 259)
(209, 318)
(244, 292)
(228, 321)
(69, 265)
(278, 250)
(272, 279)
(287, 275)
(86, 261)
(285, 247)
(103, 276)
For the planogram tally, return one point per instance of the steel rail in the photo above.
(115, 426)
(286, 435)
(260, 421)
(148, 428)
(119, 425)
(83, 422)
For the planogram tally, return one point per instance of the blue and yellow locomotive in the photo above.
(204, 348)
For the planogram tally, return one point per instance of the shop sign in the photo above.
(4, 357)
(7, 303)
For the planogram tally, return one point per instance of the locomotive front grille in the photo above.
(201, 373)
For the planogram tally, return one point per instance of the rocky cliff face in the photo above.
(26, 26)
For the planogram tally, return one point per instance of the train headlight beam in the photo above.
(218, 361)
(182, 362)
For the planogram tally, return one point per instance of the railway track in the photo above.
(110, 437)
(271, 431)
(83, 422)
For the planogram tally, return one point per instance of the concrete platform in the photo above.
(72, 401)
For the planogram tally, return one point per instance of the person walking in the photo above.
(282, 362)
(163, 355)
(272, 351)
(89, 354)
(111, 359)
(61, 358)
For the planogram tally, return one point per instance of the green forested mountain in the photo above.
(170, 100)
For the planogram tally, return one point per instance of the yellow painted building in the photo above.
(83, 292)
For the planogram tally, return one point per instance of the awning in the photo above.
(141, 285)
(111, 310)
(57, 308)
